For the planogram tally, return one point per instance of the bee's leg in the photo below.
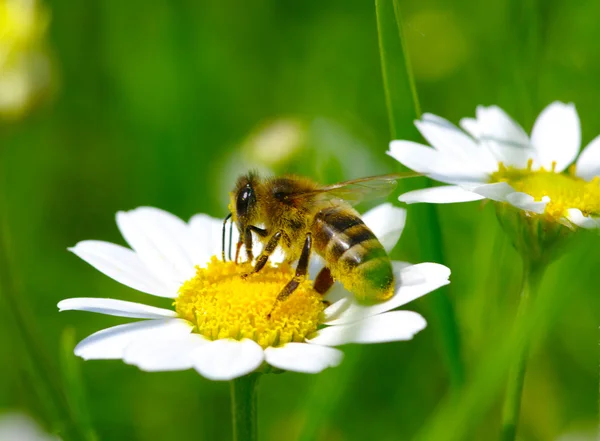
(237, 250)
(260, 231)
(261, 261)
(323, 283)
(248, 244)
(301, 271)
(248, 241)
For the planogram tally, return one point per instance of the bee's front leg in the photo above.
(238, 247)
(301, 271)
(261, 261)
(247, 242)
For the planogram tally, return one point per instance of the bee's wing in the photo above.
(358, 190)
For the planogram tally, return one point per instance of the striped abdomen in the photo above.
(353, 254)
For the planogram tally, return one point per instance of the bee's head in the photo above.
(243, 205)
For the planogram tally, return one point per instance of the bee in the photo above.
(302, 217)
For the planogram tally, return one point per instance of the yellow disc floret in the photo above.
(564, 190)
(222, 304)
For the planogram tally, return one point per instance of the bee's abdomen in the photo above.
(353, 253)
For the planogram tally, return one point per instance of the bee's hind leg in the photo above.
(323, 283)
(301, 271)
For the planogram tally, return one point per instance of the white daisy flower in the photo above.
(219, 323)
(495, 159)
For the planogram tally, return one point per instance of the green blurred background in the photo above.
(163, 103)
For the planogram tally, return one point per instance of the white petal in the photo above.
(302, 357)
(471, 126)
(450, 140)
(505, 138)
(431, 118)
(437, 165)
(208, 232)
(421, 272)
(119, 308)
(164, 354)
(556, 136)
(315, 265)
(411, 283)
(445, 194)
(227, 359)
(110, 343)
(336, 309)
(387, 223)
(416, 156)
(391, 326)
(161, 240)
(494, 123)
(502, 192)
(527, 202)
(121, 264)
(336, 293)
(588, 164)
(497, 191)
(399, 265)
(576, 216)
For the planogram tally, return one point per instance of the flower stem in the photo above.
(403, 108)
(516, 377)
(243, 407)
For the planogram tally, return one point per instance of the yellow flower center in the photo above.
(221, 304)
(564, 190)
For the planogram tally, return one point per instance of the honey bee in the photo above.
(302, 217)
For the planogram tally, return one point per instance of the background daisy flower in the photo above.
(25, 64)
(19, 426)
(219, 323)
(494, 158)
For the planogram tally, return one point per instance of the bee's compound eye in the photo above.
(244, 198)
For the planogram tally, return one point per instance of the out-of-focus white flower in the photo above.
(577, 436)
(276, 142)
(25, 68)
(16, 426)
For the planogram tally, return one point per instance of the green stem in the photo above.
(454, 417)
(516, 377)
(243, 407)
(399, 85)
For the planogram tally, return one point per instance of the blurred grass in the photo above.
(155, 98)
(72, 380)
(398, 82)
(43, 391)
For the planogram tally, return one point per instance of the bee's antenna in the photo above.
(223, 239)
(230, 237)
